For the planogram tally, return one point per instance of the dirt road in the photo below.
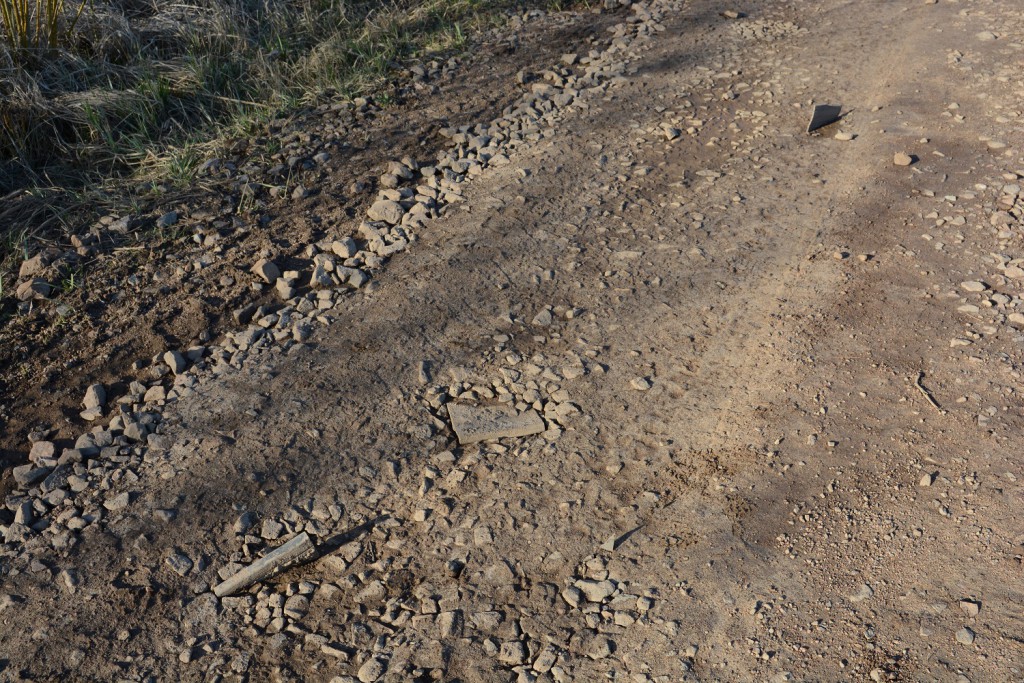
(779, 375)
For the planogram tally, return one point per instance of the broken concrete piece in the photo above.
(292, 552)
(473, 424)
(823, 115)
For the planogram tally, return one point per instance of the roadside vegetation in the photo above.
(93, 92)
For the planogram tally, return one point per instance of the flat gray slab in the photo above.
(473, 423)
(823, 115)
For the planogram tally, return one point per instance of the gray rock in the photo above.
(95, 396)
(296, 606)
(902, 159)
(165, 515)
(17, 533)
(302, 331)
(77, 484)
(155, 394)
(387, 211)
(167, 220)
(91, 414)
(135, 430)
(965, 636)
(245, 521)
(56, 479)
(321, 279)
(180, 563)
(487, 621)
(596, 591)
(27, 475)
(371, 670)
(118, 502)
(601, 648)
(400, 170)
(572, 596)
(41, 449)
(345, 248)
(267, 270)
(285, 289)
(89, 445)
(543, 319)
(641, 383)
(33, 266)
(175, 361)
(357, 278)
(450, 624)
(482, 423)
(244, 315)
(248, 337)
(512, 652)
(23, 513)
(970, 607)
(547, 659)
(36, 288)
(271, 529)
(863, 593)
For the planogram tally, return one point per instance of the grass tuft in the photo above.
(92, 90)
(36, 26)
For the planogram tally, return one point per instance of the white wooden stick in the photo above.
(275, 561)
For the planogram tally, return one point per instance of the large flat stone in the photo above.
(473, 423)
(823, 115)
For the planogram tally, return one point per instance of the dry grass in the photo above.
(125, 80)
(115, 89)
(37, 26)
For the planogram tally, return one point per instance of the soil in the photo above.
(109, 322)
(778, 373)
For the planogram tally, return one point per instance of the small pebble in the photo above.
(641, 384)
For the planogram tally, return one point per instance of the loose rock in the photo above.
(175, 361)
(371, 670)
(386, 211)
(95, 396)
(267, 270)
(965, 636)
(902, 159)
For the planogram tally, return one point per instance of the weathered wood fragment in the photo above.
(292, 552)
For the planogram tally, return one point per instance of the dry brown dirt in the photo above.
(790, 439)
(141, 293)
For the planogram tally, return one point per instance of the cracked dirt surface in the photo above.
(747, 481)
